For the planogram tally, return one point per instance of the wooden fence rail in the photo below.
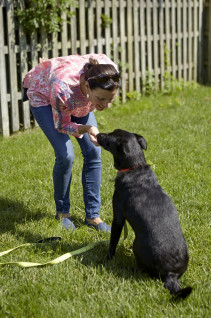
(148, 39)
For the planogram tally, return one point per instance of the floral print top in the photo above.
(57, 82)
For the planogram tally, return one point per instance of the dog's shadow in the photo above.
(122, 265)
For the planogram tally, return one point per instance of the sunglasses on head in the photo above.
(103, 78)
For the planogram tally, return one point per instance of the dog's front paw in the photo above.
(109, 256)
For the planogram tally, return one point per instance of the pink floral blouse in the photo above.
(57, 82)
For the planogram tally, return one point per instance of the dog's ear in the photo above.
(124, 148)
(142, 142)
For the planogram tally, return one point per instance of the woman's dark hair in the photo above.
(103, 76)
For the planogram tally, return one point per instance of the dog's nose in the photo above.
(100, 137)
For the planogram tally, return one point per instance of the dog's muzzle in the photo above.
(101, 137)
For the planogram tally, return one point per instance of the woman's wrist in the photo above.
(82, 129)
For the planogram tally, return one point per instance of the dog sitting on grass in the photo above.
(159, 246)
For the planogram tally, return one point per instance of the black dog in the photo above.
(159, 246)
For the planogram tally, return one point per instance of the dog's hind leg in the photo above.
(116, 230)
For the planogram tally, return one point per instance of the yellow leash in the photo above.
(59, 259)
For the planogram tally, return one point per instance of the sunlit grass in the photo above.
(177, 129)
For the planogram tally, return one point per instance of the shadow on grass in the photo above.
(15, 212)
(121, 266)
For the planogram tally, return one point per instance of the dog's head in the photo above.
(126, 148)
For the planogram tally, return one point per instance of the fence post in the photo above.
(161, 30)
(24, 69)
(4, 114)
(130, 41)
(64, 36)
(82, 26)
(12, 66)
(107, 30)
(143, 51)
(91, 26)
(73, 33)
(99, 26)
(115, 31)
(209, 44)
(136, 46)
(123, 51)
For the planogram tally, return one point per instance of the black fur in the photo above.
(159, 246)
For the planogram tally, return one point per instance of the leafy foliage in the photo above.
(46, 14)
(106, 20)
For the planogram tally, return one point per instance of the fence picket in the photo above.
(99, 26)
(155, 42)
(209, 45)
(200, 40)
(115, 36)
(64, 36)
(123, 53)
(4, 114)
(136, 46)
(173, 35)
(179, 63)
(161, 29)
(44, 44)
(195, 44)
(34, 51)
(55, 44)
(149, 41)
(23, 63)
(115, 32)
(189, 40)
(73, 33)
(130, 46)
(91, 26)
(107, 29)
(167, 33)
(143, 51)
(82, 27)
(13, 66)
(185, 67)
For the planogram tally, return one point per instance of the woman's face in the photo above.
(101, 98)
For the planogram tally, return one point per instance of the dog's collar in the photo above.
(122, 170)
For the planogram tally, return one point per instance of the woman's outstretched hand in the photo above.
(93, 131)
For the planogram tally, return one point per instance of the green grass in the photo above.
(176, 128)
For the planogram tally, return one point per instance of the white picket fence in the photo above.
(143, 35)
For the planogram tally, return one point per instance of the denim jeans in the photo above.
(64, 153)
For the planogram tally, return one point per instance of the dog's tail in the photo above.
(172, 284)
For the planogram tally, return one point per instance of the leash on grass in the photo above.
(59, 259)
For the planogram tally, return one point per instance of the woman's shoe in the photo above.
(67, 223)
(102, 227)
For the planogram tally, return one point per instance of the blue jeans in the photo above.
(64, 153)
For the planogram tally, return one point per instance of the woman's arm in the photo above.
(62, 115)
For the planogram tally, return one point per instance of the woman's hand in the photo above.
(93, 131)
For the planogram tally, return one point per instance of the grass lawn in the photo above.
(176, 128)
